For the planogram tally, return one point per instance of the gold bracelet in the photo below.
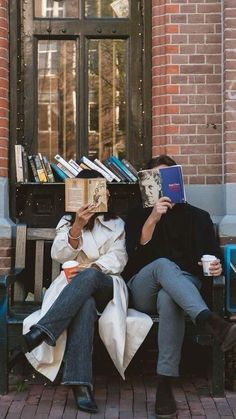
(73, 238)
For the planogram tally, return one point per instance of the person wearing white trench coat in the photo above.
(62, 330)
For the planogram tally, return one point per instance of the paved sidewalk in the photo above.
(117, 399)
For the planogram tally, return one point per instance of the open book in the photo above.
(166, 181)
(79, 192)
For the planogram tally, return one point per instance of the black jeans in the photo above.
(75, 310)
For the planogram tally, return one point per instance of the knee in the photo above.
(162, 263)
(89, 274)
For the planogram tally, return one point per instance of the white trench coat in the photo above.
(121, 329)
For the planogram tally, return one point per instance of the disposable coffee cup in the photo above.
(206, 261)
(68, 268)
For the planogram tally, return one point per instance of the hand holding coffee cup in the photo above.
(70, 268)
(209, 262)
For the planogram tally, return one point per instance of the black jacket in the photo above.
(182, 235)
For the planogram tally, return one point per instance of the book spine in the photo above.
(19, 163)
(114, 169)
(66, 164)
(43, 165)
(48, 169)
(33, 168)
(93, 166)
(84, 166)
(75, 165)
(65, 170)
(40, 170)
(58, 172)
(130, 167)
(25, 166)
(100, 164)
(123, 168)
(127, 178)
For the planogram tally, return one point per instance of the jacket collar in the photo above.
(109, 224)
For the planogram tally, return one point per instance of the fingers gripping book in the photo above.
(166, 181)
(79, 192)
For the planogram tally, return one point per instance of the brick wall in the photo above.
(230, 90)
(187, 72)
(5, 243)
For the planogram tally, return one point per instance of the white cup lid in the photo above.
(208, 257)
(70, 264)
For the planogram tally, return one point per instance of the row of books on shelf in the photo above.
(38, 169)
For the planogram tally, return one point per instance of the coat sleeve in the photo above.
(115, 259)
(61, 250)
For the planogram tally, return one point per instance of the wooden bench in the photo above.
(31, 257)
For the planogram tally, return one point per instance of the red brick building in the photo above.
(192, 95)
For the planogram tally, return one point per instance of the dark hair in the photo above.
(86, 174)
(162, 159)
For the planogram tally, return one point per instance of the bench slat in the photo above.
(39, 256)
(19, 293)
(40, 233)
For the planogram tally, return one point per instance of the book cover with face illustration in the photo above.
(150, 186)
(164, 181)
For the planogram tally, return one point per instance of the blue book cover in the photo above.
(127, 173)
(172, 184)
(58, 172)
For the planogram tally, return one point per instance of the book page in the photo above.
(150, 186)
(97, 194)
(75, 194)
(79, 192)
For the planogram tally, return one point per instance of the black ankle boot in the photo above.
(32, 339)
(84, 398)
(165, 402)
(223, 331)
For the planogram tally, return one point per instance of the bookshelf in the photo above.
(42, 204)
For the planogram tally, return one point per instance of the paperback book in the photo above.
(79, 192)
(167, 181)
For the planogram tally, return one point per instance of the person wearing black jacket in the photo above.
(165, 245)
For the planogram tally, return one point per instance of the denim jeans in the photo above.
(75, 310)
(162, 287)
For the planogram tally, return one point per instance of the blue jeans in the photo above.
(75, 310)
(162, 287)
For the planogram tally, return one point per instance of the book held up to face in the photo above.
(164, 181)
(79, 192)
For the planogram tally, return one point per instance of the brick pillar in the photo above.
(187, 73)
(228, 224)
(5, 223)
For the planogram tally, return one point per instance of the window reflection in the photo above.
(107, 104)
(107, 8)
(57, 98)
(55, 9)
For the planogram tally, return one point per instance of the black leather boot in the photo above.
(84, 398)
(223, 331)
(165, 402)
(32, 339)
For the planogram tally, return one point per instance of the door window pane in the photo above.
(57, 98)
(56, 9)
(107, 98)
(107, 8)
